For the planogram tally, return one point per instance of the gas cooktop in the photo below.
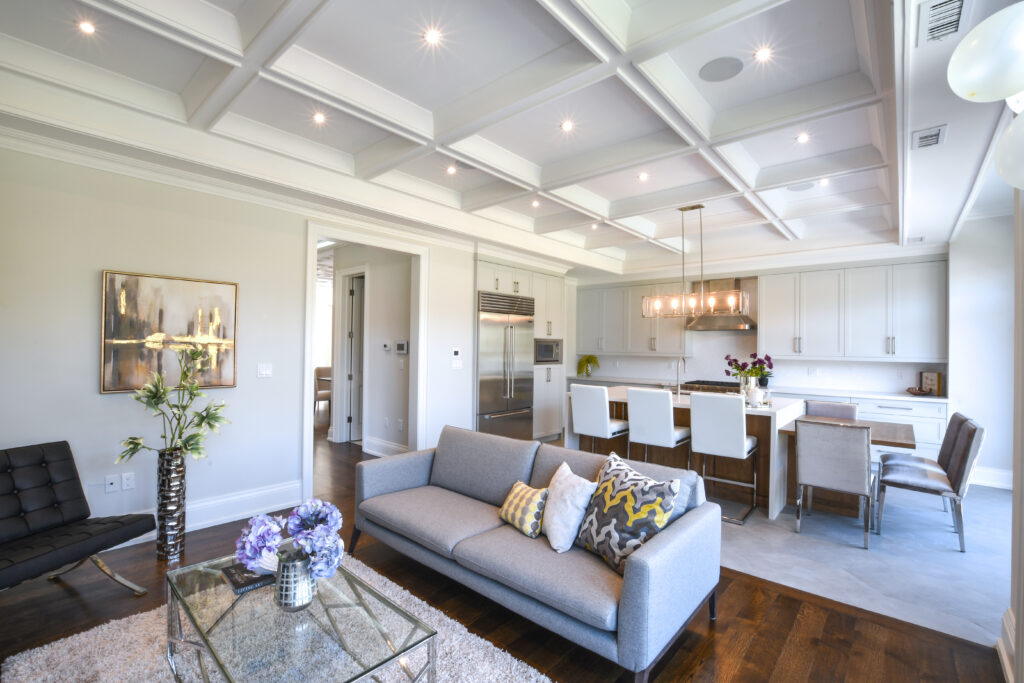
(711, 385)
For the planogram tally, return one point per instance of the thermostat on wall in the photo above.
(402, 347)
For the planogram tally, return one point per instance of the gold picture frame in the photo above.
(146, 318)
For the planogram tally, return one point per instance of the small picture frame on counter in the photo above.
(932, 381)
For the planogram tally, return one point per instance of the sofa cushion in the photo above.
(568, 498)
(434, 517)
(524, 508)
(626, 510)
(483, 466)
(39, 490)
(576, 583)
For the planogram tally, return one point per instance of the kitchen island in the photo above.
(763, 422)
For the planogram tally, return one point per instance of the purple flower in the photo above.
(753, 355)
(728, 374)
(313, 513)
(770, 366)
(744, 366)
(728, 356)
(768, 358)
(323, 547)
(259, 540)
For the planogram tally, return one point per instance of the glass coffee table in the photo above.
(350, 632)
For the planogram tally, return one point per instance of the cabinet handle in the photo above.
(893, 407)
(796, 349)
(495, 284)
(549, 374)
(549, 328)
(652, 343)
(894, 346)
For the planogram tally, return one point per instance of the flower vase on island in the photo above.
(750, 374)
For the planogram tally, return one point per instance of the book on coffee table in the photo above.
(243, 580)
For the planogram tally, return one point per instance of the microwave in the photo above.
(547, 351)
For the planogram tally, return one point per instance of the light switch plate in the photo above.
(264, 369)
(456, 358)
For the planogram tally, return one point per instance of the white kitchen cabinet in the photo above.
(868, 314)
(778, 315)
(601, 320)
(522, 282)
(494, 277)
(613, 324)
(641, 334)
(670, 335)
(548, 399)
(549, 307)
(821, 314)
(919, 305)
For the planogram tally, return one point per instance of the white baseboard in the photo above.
(216, 510)
(1006, 644)
(993, 476)
(381, 447)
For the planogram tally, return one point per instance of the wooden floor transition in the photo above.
(764, 632)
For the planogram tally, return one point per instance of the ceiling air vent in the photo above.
(928, 137)
(939, 19)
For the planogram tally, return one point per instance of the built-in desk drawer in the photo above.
(901, 408)
(927, 430)
(813, 397)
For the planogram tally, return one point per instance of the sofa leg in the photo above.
(712, 605)
(642, 676)
(352, 541)
(102, 566)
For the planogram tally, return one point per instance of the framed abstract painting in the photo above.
(146, 318)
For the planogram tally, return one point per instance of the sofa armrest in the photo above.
(392, 473)
(665, 581)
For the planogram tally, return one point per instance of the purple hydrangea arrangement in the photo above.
(314, 528)
(756, 367)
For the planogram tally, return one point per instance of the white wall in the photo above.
(323, 322)
(60, 226)
(386, 320)
(981, 332)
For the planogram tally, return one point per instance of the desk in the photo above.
(891, 434)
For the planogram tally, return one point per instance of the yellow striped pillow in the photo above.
(524, 508)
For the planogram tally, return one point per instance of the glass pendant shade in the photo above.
(988, 64)
(690, 304)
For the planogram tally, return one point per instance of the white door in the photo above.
(640, 331)
(613, 326)
(919, 311)
(868, 313)
(778, 314)
(821, 314)
(589, 320)
(355, 359)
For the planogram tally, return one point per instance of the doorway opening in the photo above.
(353, 287)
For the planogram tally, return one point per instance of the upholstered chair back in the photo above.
(831, 409)
(650, 417)
(590, 411)
(964, 456)
(39, 490)
(718, 424)
(832, 456)
(949, 440)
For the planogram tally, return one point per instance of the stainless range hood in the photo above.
(718, 322)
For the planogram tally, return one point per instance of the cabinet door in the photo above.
(505, 279)
(919, 311)
(777, 313)
(487, 277)
(613, 324)
(821, 314)
(549, 383)
(555, 323)
(522, 282)
(868, 313)
(640, 331)
(541, 314)
(589, 320)
(670, 333)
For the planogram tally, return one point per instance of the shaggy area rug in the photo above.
(134, 648)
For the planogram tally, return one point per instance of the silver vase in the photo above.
(170, 506)
(751, 391)
(295, 587)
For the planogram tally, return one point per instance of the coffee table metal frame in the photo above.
(177, 642)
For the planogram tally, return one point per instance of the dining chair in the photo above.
(951, 482)
(652, 421)
(591, 414)
(718, 428)
(323, 387)
(827, 409)
(941, 464)
(835, 457)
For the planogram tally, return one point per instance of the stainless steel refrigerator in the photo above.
(505, 365)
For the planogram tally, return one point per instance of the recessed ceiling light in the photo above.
(763, 54)
(567, 125)
(432, 36)
(451, 169)
(535, 203)
(720, 69)
(319, 118)
(593, 226)
(803, 138)
(823, 182)
(643, 177)
(87, 27)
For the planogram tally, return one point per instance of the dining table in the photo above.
(886, 434)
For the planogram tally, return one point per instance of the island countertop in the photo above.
(782, 408)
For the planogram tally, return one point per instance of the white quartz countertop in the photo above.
(779, 404)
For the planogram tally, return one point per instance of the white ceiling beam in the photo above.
(482, 153)
(388, 154)
(562, 221)
(825, 166)
(583, 200)
(589, 165)
(609, 238)
(491, 194)
(276, 140)
(418, 187)
(979, 179)
(671, 198)
(835, 204)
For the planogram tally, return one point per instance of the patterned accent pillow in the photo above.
(524, 508)
(626, 509)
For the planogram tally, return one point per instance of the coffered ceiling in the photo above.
(573, 129)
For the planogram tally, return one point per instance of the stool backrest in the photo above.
(831, 409)
(590, 412)
(949, 440)
(718, 424)
(964, 456)
(650, 417)
(834, 456)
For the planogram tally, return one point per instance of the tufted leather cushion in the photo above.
(39, 490)
(30, 556)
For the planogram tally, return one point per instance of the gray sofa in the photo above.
(440, 507)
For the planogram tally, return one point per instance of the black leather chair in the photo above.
(44, 517)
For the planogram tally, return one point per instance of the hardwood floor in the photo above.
(764, 631)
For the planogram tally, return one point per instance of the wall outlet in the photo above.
(264, 369)
(110, 484)
(127, 481)
(401, 424)
(401, 364)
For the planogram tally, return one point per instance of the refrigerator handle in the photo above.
(512, 362)
(504, 362)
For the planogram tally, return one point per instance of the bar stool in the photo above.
(831, 409)
(591, 414)
(718, 424)
(651, 421)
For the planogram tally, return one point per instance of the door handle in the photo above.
(511, 413)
